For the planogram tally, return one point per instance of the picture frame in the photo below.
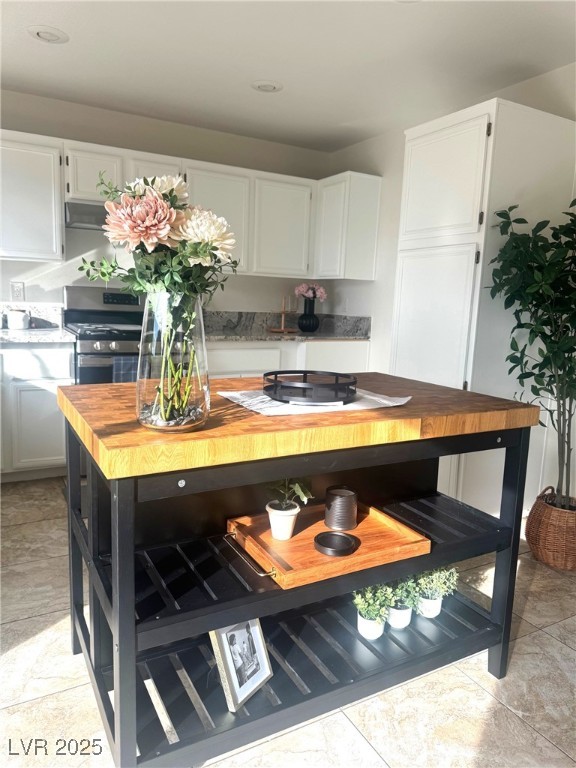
(242, 660)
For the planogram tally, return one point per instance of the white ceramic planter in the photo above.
(369, 628)
(282, 521)
(429, 607)
(399, 618)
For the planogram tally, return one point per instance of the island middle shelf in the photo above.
(194, 585)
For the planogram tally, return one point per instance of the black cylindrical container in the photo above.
(341, 508)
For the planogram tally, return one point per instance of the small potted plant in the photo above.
(433, 586)
(405, 596)
(282, 511)
(372, 604)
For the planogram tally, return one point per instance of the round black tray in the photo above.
(335, 543)
(310, 387)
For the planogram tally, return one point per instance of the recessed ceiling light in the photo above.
(48, 34)
(267, 86)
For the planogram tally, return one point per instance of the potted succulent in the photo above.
(404, 599)
(535, 274)
(372, 604)
(432, 587)
(282, 511)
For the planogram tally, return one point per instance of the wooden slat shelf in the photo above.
(315, 654)
(192, 584)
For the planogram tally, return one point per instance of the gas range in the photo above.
(107, 325)
(101, 338)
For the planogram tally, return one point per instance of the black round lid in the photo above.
(335, 543)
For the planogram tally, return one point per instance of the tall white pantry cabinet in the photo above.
(459, 170)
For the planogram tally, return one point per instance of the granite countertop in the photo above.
(60, 336)
(281, 337)
(36, 336)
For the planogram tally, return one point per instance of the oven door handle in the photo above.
(94, 361)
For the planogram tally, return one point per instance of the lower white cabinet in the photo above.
(350, 356)
(37, 424)
(32, 424)
(253, 358)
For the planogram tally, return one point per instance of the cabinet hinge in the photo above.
(67, 160)
(186, 178)
(465, 385)
(489, 129)
(60, 159)
(67, 186)
(481, 218)
(477, 258)
(62, 248)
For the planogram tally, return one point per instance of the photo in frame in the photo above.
(242, 659)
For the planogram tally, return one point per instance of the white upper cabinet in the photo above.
(83, 166)
(282, 227)
(227, 194)
(146, 165)
(443, 180)
(347, 226)
(31, 224)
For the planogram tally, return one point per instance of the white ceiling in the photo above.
(350, 69)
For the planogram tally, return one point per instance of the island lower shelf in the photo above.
(318, 660)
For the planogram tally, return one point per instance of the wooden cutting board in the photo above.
(295, 562)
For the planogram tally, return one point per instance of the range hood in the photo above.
(84, 215)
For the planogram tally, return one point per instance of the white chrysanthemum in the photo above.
(162, 185)
(202, 226)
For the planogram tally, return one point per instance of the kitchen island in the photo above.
(151, 527)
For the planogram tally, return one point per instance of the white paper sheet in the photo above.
(257, 401)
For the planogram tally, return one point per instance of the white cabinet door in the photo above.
(82, 172)
(433, 310)
(147, 166)
(331, 226)
(37, 424)
(227, 195)
(242, 359)
(347, 226)
(281, 227)
(32, 209)
(339, 356)
(443, 180)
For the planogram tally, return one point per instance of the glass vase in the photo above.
(172, 390)
(308, 322)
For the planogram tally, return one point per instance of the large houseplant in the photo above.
(180, 255)
(536, 274)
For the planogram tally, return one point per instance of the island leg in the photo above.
(123, 622)
(506, 560)
(74, 553)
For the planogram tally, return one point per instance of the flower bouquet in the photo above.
(311, 291)
(181, 255)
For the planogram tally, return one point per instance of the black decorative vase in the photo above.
(308, 322)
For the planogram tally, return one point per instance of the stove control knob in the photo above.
(113, 346)
(101, 346)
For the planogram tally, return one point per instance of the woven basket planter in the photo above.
(551, 532)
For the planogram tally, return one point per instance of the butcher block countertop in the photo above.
(104, 417)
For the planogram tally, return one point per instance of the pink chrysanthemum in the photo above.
(148, 220)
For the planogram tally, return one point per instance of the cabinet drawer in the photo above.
(55, 362)
(239, 360)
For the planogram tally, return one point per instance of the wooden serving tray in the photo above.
(295, 562)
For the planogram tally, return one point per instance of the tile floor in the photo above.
(456, 717)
